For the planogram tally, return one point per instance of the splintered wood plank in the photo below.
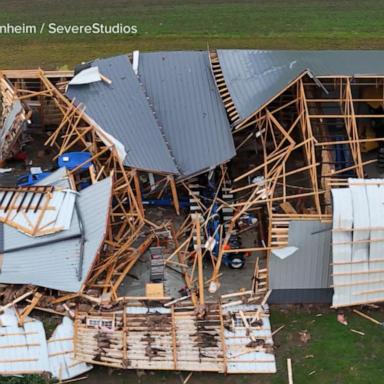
(29, 308)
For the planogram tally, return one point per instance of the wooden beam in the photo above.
(175, 198)
(29, 308)
(199, 259)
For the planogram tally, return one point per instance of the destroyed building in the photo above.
(181, 192)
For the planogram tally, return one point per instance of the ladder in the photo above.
(222, 88)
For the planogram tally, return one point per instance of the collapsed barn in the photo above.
(165, 198)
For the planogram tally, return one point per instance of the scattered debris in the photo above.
(71, 239)
(187, 378)
(290, 372)
(305, 336)
(368, 317)
(341, 318)
(358, 332)
(278, 330)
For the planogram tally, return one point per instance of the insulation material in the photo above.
(61, 355)
(358, 243)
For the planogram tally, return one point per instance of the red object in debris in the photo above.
(21, 156)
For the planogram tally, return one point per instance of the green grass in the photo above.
(339, 355)
(188, 24)
(28, 379)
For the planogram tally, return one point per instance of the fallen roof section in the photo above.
(254, 77)
(62, 362)
(25, 350)
(182, 91)
(37, 210)
(121, 109)
(230, 339)
(62, 260)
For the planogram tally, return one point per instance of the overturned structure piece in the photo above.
(25, 350)
(62, 362)
(235, 339)
(60, 260)
(358, 237)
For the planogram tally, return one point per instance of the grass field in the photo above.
(188, 24)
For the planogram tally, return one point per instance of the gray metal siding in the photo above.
(183, 94)
(53, 266)
(122, 110)
(94, 204)
(309, 267)
(301, 296)
(254, 77)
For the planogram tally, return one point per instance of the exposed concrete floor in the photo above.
(231, 280)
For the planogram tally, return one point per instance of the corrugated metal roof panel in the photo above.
(59, 179)
(309, 266)
(94, 204)
(122, 110)
(181, 87)
(60, 353)
(22, 349)
(55, 264)
(254, 77)
(25, 349)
